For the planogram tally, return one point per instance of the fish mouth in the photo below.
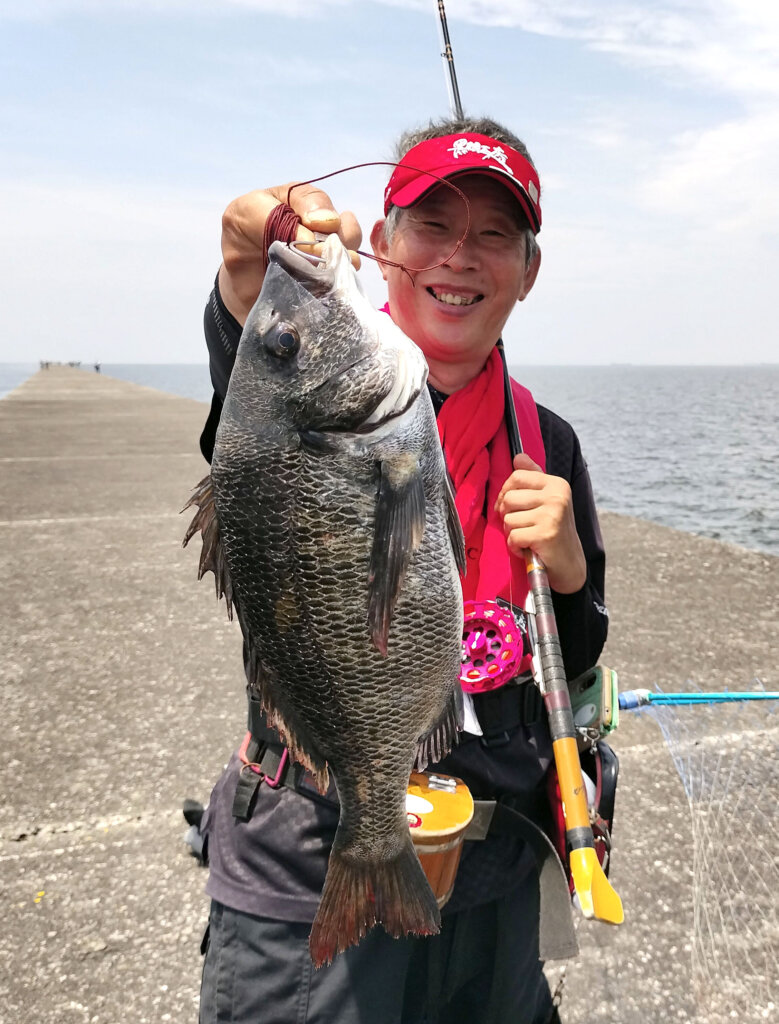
(319, 275)
(315, 274)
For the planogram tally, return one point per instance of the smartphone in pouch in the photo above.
(595, 704)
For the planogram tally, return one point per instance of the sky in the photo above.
(126, 126)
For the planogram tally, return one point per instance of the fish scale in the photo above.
(339, 533)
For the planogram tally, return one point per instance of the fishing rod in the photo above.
(448, 58)
(597, 898)
(632, 700)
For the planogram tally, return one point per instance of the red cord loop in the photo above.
(282, 222)
(281, 226)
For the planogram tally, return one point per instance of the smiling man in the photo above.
(456, 311)
(455, 271)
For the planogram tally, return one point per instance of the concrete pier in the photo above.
(122, 693)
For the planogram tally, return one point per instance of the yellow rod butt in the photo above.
(597, 898)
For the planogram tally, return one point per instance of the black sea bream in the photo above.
(335, 518)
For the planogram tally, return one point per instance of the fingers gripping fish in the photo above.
(329, 520)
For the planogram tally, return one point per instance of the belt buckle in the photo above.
(277, 779)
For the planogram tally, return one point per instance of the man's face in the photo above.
(457, 312)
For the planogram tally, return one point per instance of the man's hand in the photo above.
(537, 513)
(243, 231)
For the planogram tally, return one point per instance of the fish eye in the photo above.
(283, 341)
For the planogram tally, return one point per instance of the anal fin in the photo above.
(300, 747)
(438, 741)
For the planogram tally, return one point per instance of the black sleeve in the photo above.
(223, 332)
(582, 618)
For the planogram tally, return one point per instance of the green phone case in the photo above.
(595, 703)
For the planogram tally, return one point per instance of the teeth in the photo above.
(454, 300)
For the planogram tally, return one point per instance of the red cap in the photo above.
(464, 153)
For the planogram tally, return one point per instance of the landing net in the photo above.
(727, 757)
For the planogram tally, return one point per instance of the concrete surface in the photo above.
(122, 693)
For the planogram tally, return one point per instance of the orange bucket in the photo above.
(439, 809)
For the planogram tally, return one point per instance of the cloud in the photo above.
(44, 10)
(645, 295)
(659, 204)
(721, 174)
(729, 45)
(106, 272)
(120, 273)
(724, 177)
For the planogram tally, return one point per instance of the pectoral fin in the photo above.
(317, 442)
(398, 532)
(453, 526)
(212, 556)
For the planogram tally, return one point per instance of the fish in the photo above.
(329, 522)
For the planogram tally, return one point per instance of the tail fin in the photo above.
(359, 894)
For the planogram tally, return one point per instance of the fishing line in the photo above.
(282, 222)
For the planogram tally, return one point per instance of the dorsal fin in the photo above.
(212, 556)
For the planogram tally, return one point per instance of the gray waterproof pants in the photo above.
(483, 968)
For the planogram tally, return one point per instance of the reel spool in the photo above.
(493, 646)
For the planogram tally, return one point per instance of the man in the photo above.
(454, 272)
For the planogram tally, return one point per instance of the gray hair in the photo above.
(452, 126)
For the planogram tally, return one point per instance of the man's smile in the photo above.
(449, 298)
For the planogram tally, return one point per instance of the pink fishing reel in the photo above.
(493, 646)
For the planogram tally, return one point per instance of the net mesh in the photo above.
(727, 756)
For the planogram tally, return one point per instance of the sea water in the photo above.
(692, 447)
(13, 374)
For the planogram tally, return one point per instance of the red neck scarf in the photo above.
(473, 435)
